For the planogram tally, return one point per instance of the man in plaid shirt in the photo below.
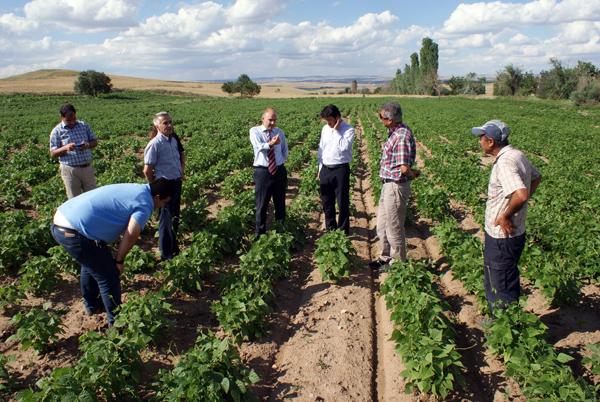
(512, 181)
(398, 156)
(71, 142)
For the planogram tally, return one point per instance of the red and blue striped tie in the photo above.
(271, 155)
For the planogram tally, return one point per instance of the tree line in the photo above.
(581, 83)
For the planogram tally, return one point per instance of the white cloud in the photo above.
(84, 15)
(190, 22)
(13, 23)
(497, 15)
(254, 11)
(204, 39)
(579, 32)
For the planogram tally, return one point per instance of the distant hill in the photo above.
(42, 75)
(56, 81)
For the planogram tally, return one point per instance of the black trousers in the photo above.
(500, 270)
(335, 186)
(168, 223)
(269, 186)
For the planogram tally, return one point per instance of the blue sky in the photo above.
(218, 39)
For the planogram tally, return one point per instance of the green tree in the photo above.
(508, 81)
(528, 85)
(429, 67)
(558, 82)
(414, 76)
(244, 85)
(247, 87)
(228, 87)
(92, 83)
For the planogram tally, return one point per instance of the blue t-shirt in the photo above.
(104, 213)
(162, 153)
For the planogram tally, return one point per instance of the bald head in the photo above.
(269, 118)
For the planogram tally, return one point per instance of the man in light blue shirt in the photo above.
(86, 224)
(270, 176)
(164, 159)
(334, 157)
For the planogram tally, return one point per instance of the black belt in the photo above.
(331, 167)
(403, 179)
(80, 166)
(65, 230)
(264, 167)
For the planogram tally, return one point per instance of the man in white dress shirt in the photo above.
(270, 177)
(334, 156)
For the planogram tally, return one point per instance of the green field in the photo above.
(562, 255)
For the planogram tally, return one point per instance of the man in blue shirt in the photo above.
(86, 224)
(334, 157)
(71, 141)
(164, 159)
(270, 176)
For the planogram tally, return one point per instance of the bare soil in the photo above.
(329, 342)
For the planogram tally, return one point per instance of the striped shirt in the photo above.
(62, 135)
(399, 149)
(511, 171)
(259, 137)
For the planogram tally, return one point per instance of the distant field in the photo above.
(62, 81)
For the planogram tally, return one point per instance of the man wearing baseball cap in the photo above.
(512, 181)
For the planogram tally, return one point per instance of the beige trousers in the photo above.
(77, 180)
(391, 214)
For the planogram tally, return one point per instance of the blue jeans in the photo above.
(500, 270)
(168, 223)
(99, 278)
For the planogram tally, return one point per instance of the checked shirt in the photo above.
(62, 135)
(399, 149)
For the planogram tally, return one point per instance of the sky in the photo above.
(219, 39)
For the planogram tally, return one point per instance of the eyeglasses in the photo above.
(383, 118)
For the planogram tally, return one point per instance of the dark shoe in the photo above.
(377, 264)
(94, 310)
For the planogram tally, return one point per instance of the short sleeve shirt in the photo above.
(80, 133)
(399, 149)
(511, 171)
(104, 213)
(162, 153)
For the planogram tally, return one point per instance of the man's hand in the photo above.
(274, 141)
(69, 147)
(505, 224)
(337, 124)
(120, 268)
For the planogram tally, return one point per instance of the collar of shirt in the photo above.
(392, 131)
(165, 137)
(502, 152)
(63, 125)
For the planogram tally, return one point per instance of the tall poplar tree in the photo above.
(429, 67)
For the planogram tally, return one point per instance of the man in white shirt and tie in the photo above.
(270, 177)
(334, 156)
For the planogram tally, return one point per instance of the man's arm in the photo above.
(534, 184)
(55, 153)
(517, 199)
(90, 144)
(149, 173)
(182, 160)
(130, 236)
